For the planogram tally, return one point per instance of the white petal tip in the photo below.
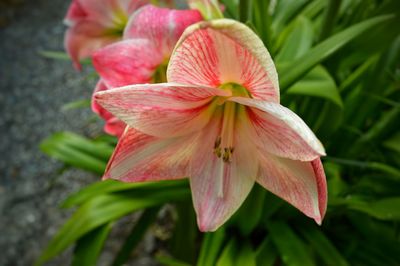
(318, 220)
(206, 227)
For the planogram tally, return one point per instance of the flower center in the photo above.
(160, 74)
(224, 144)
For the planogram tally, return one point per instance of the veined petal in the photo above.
(140, 157)
(162, 26)
(224, 51)
(127, 62)
(74, 14)
(113, 125)
(278, 130)
(219, 188)
(85, 37)
(302, 184)
(161, 110)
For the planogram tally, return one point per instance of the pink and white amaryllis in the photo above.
(142, 57)
(218, 121)
(94, 24)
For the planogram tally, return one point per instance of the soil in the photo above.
(33, 90)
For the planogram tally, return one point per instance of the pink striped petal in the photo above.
(113, 125)
(74, 14)
(140, 157)
(161, 110)
(218, 188)
(222, 51)
(161, 26)
(302, 184)
(127, 62)
(85, 37)
(278, 130)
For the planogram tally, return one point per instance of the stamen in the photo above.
(217, 148)
(223, 146)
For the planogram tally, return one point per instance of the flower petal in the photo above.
(222, 51)
(161, 110)
(113, 125)
(74, 14)
(161, 26)
(127, 62)
(85, 37)
(140, 157)
(218, 188)
(280, 131)
(302, 184)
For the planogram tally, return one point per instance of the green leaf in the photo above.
(336, 185)
(266, 253)
(88, 248)
(228, 255)
(135, 236)
(103, 209)
(55, 55)
(384, 209)
(58, 55)
(109, 186)
(76, 105)
(291, 248)
(185, 231)
(317, 54)
(394, 172)
(330, 15)
(298, 42)
(78, 151)
(393, 143)
(73, 156)
(246, 255)
(237, 255)
(284, 12)
(318, 83)
(231, 8)
(210, 248)
(322, 245)
(244, 10)
(250, 213)
(168, 261)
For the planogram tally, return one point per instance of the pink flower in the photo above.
(218, 121)
(94, 24)
(150, 37)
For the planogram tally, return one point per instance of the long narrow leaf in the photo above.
(109, 186)
(326, 48)
(101, 210)
(136, 235)
(88, 248)
(322, 245)
(212, 245)
(291, 248)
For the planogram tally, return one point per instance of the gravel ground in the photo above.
(32, 92)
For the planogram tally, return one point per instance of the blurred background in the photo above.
(33, 91)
